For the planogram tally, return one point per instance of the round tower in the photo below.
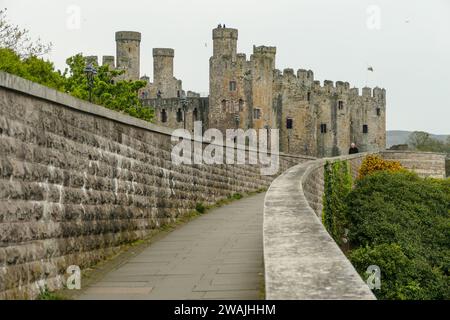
(128, 45)
(163, 71)
(225, 42)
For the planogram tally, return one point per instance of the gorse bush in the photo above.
(401, 223)
(374, 163)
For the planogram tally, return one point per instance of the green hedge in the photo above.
(401, 223)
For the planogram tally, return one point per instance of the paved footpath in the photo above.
(216, 256)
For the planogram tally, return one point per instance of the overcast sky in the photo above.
(407, 42)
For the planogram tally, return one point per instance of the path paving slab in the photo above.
(216, 256)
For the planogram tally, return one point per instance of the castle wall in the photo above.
(78, 181)
(196, 109)
(163, 79)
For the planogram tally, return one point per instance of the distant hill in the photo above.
(394, 137)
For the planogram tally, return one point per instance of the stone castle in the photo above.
(313, 119)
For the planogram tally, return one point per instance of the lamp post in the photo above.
(90, 72)
(184, 103)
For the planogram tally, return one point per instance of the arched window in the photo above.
(179, 115)
(224, 105)
(163, 116)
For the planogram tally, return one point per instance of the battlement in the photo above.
(128, 35)
(108, 60)
(264, 50)
(225, 33)
(306, 77)
(163, 52)
(92, 60)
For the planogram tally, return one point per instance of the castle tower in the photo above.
(226, 83)
(225, 42)
(263, 64)
(128, 53)
(108, 60)
(163, 77)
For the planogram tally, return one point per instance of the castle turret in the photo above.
(263, 64)
(128, 53)
(225, 42)
(227, 98)
(92, 60)
(163, 77)
(108, 60)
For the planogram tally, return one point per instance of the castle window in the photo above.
(232, 85)
(224, 105)
(378, 111)
(241, 105)
(341, 105)
(195, 114)
(163, 116)
(323, 128)
(179, 115)
(289, 123)
(365, 128)
(308, 97)
(256, 113)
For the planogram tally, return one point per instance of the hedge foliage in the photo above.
(338, 184)
(401, 223)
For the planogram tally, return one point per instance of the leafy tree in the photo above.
(119, 95)
(423, 141)
(31, 68)
(17, 39)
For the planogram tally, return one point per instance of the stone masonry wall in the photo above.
(301, 259)
(77, 181)
(425, 164)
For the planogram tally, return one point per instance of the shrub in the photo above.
(374, 163)
(387, 208)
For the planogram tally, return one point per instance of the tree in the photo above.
(119, 95)
(31, 68)
(423, 141)
(17, 39)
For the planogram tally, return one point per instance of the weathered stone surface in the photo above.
(302, 260)
(77, 181)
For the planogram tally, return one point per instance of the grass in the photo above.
(47, 295)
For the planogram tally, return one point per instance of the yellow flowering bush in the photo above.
(374, 163)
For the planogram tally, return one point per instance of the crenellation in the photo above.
(288, 73)
(92, 60)
(108, 60)
(354, 91)
(367, 92)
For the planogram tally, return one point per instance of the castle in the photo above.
(313, 119)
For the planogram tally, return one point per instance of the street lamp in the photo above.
(90, 72)
(184, 102)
